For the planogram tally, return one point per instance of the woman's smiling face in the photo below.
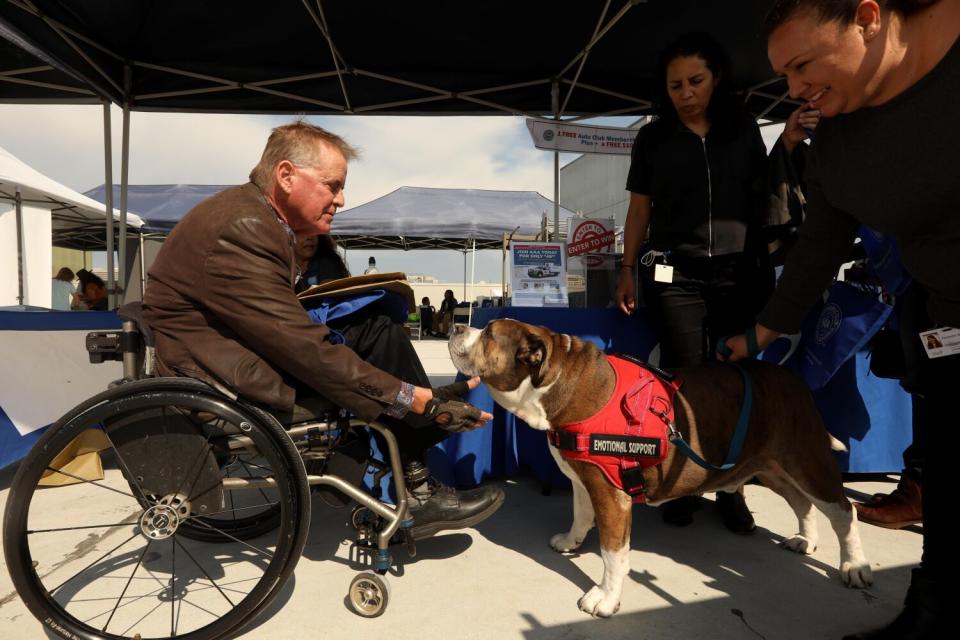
(825, 64)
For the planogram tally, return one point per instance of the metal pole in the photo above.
(555, 101)
(18, 207)
(143, 268)
(124, 172)
(473, 274)
(108, 198)
(464, 272)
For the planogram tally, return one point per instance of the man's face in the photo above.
(313, 194)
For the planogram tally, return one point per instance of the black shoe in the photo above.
(734, 512)
(679, 512)
(922, 618)
(436, 507)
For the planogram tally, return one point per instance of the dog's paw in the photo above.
(799, 544)
(564, 543)
(597, 603)
(856, 575)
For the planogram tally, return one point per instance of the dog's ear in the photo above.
(532, 351)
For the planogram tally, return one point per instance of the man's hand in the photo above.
(452, 415)
(456, 416)
(456, 390)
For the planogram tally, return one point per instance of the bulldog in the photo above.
(550, 380)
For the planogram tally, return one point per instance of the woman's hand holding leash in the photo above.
(746, 345)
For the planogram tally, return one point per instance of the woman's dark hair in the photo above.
(723, 106)
(84, 277)
(842, 11)
(65, 274)
(94, 279)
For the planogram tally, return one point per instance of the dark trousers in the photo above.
(708, 298)
(384, 344)
(935, 382)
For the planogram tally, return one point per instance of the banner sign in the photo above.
(591, 235)
(553, 135)
(538, 274)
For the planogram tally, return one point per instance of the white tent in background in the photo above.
(37, 212)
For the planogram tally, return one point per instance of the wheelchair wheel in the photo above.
(250, 514)
(113, 552)
(369, 594)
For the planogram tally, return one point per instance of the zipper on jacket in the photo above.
(706, 159)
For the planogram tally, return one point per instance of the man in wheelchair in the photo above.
(220, 301)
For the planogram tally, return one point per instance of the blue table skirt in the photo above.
(872, 416)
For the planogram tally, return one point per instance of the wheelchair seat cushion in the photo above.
(309, 408)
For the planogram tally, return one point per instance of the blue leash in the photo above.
(740, 433)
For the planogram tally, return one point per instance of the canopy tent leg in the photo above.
(108, 198)
(473, 273)
(143, 269)
(124, 174)
(555, 100)
(18, 206)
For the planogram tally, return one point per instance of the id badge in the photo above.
(663, 273)
(941, 342)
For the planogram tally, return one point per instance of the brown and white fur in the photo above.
(549, 379)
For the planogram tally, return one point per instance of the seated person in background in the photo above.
(428, 317)
(446, 312)
(318, 261)
(62, 292)
(222, 306)
(95, 294)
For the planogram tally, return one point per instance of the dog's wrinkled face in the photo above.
(505, 354)
(513, 360)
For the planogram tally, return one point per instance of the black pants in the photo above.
(708, 298)
(936, 383)
(384, 344)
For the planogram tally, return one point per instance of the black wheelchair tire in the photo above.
(292, 517)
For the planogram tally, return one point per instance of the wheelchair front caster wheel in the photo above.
(364, 520)
(369, 594)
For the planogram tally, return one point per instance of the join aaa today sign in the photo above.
(591, 235)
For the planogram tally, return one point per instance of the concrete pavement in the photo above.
(502, 581)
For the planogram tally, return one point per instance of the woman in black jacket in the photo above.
(697, 185)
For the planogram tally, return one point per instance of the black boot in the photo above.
(922, 617)
(436, 507)
(679, 512)
(734, 512)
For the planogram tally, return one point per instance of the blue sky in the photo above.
(491, 152)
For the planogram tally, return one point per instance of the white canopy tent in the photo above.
(37, 212)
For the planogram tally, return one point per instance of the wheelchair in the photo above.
(194, 506)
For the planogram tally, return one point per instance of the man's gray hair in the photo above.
(301, 143)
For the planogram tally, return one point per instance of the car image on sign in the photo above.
(542, 271)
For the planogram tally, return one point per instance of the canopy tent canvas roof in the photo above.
(406, 218)
(429, 57)
(160, 206)
(77, 219)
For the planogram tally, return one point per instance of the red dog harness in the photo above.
(629, 433)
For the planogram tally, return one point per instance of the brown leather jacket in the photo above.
(220, 300)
